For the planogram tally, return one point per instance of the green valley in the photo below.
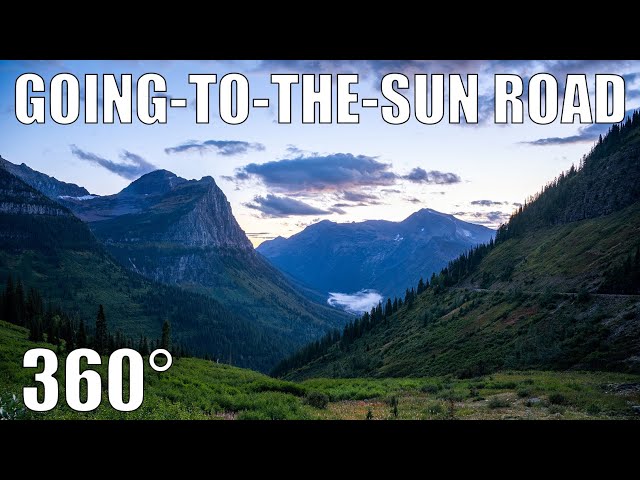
(201, 389)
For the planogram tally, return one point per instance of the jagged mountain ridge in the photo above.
(376, 254)
(162, 207)
(50, 186)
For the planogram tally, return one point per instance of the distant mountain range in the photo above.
(379, 255)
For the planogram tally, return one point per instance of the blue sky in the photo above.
(280, 178)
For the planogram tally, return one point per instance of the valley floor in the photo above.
(200, 389)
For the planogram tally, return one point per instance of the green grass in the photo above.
(200, 389)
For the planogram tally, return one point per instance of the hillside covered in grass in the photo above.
(201, 389)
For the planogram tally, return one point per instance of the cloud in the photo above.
(373, 70)
(516, 204)
(133, 167)
(486, 203)
(273, 206)
(360, 198)
(316, 173)
(262, 235)
(338, 210)
(486, 218)
(413, 200)
(586, 134)
(227, 148)
(357, 197)
(359, 302)
(420, 175)
(544, 142)
(293, 150)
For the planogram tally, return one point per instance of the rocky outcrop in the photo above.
(18, 198)
(210, 223)
(30, 209)
(165, 209)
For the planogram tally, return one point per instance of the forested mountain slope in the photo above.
(559, 288)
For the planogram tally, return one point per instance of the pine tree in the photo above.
(101, 341)
(53, 329)
(166, 335)
(19, 304)
(388, 309)
(145, 347)
(81, 337)
(35, 330)
(9, 311)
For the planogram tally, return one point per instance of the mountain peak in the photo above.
(157, 182)
(208, 179)
(375, 255)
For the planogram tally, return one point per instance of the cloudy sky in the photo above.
(281, 177)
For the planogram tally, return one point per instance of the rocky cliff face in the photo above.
(50, 186)
(210, 222)
(30, 220)
(165, 209)
(18, 198)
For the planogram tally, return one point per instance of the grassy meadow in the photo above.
(200, 389)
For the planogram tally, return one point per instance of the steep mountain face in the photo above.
(48, 248)
(558, 289)
(606, 182)
(380, 255)
(51, 187)
(181, 232)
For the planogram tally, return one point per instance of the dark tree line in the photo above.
(26, 308)
(592, 189)
(351, 332)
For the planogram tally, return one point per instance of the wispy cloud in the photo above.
(227, 148)
(131, 167)
(544, 142)
(420, 175)
(487, 203)
(262, 235)
(494, 218)
(586, 134)
(273, 206)
(359, 197)
(338, 210)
